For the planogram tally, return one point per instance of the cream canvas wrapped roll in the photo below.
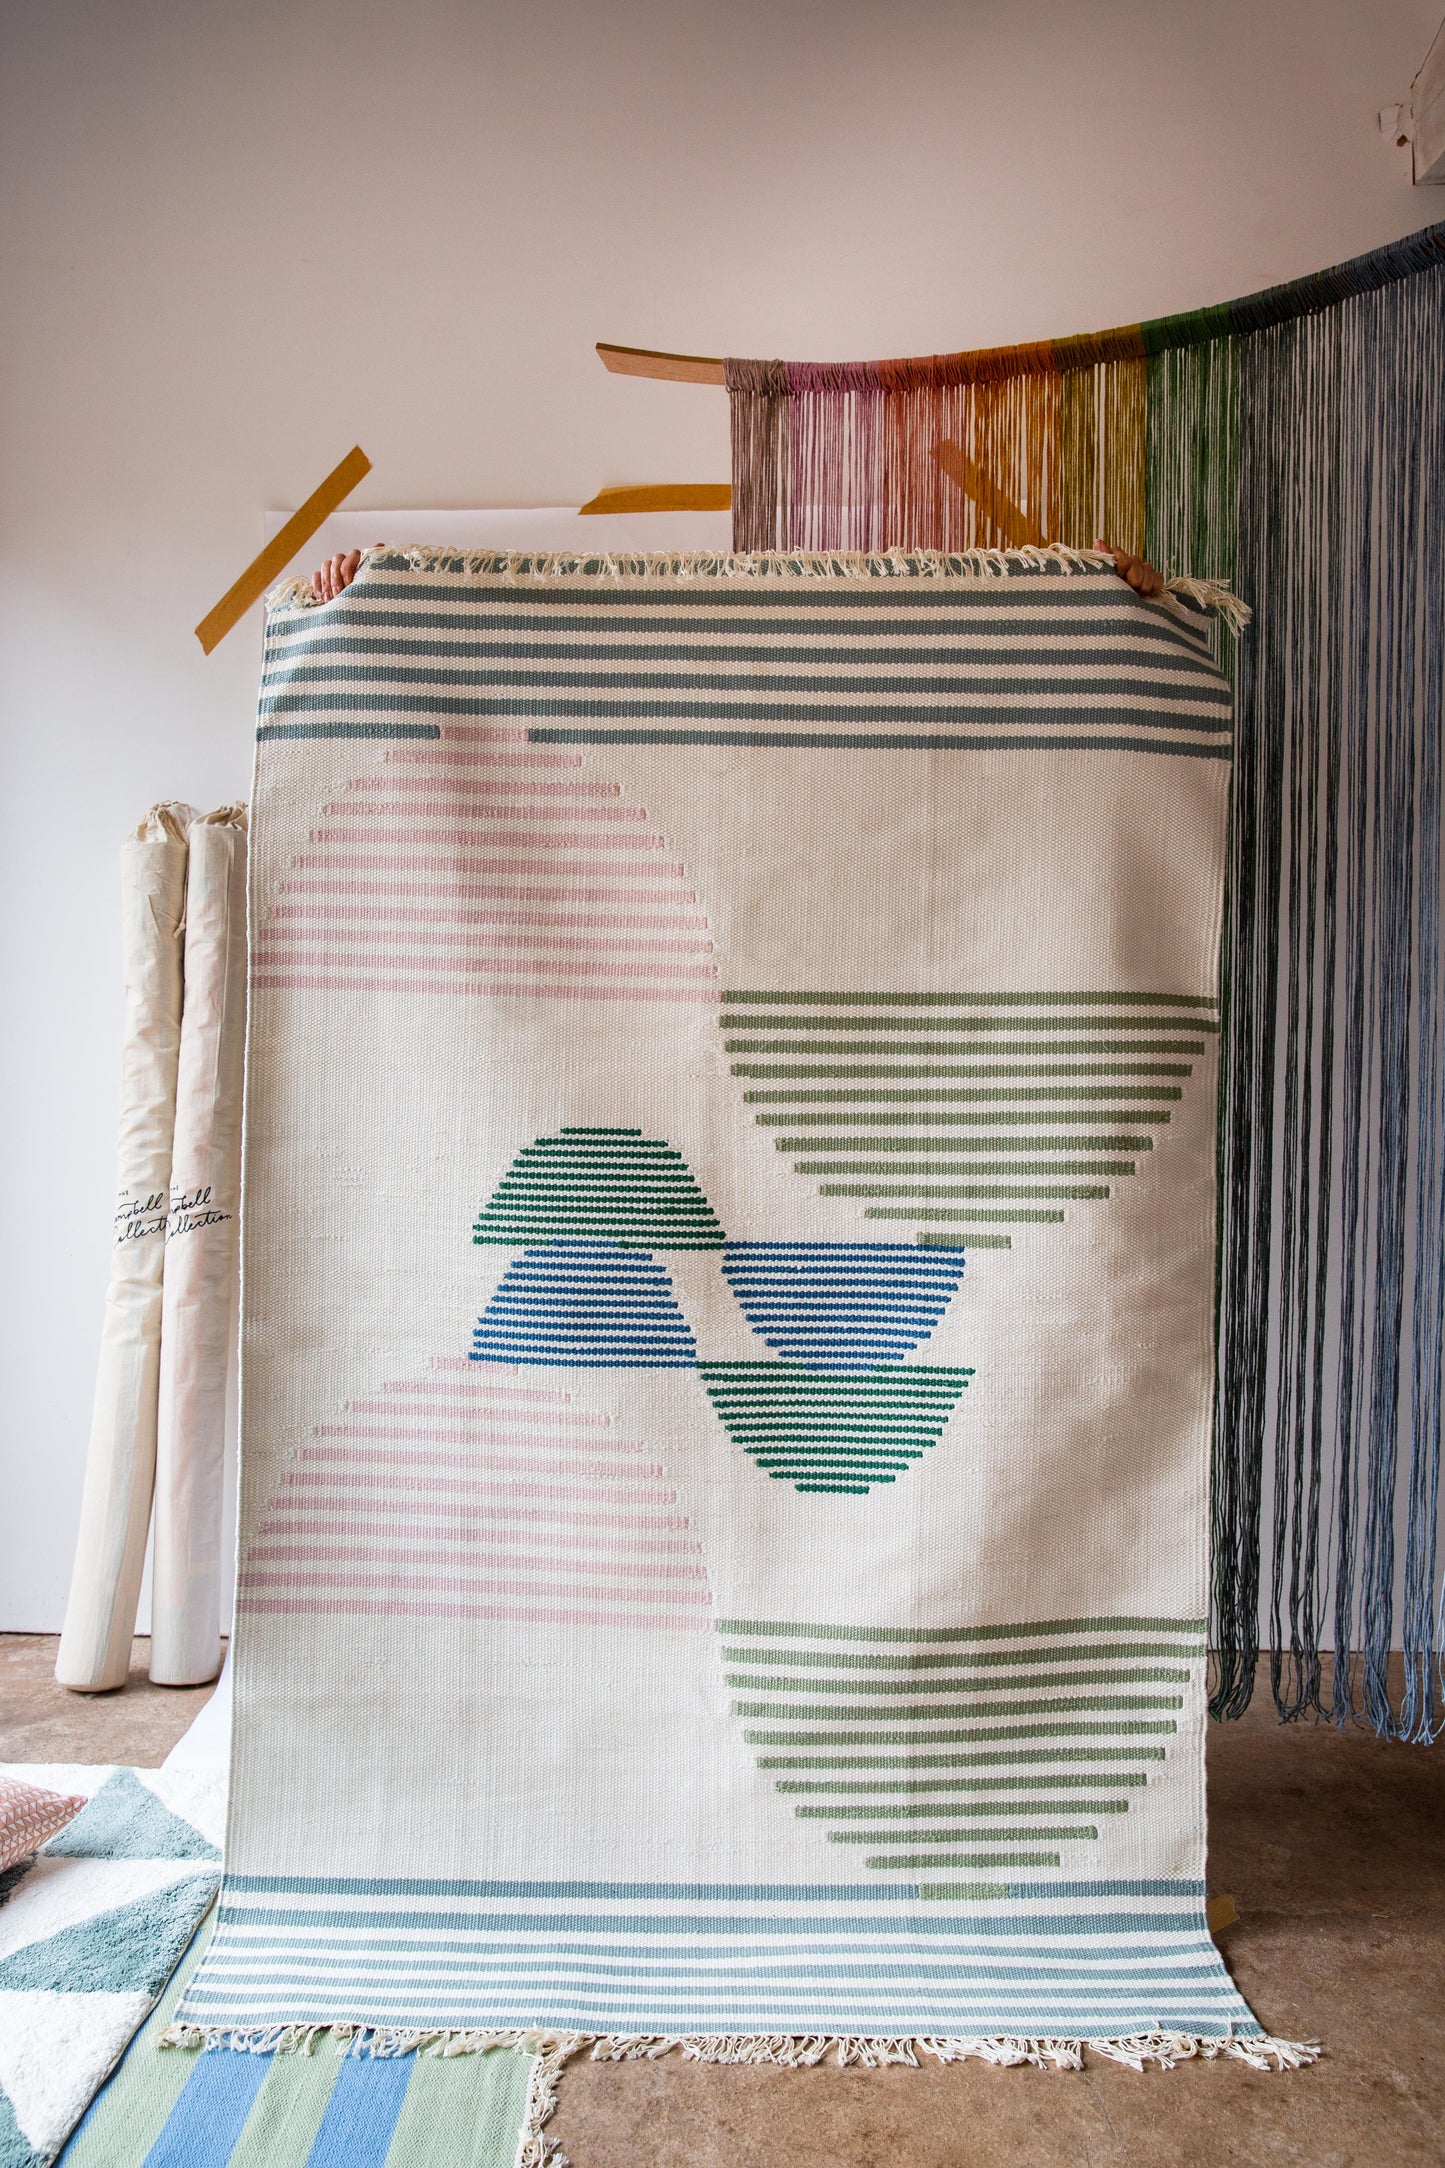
(198, 1307)
(120, 1465)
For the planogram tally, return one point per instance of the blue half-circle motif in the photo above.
(842, 1305)
(581, 1304)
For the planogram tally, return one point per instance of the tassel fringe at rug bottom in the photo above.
(1262, 2051)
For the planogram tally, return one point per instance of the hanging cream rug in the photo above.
(729, 1277)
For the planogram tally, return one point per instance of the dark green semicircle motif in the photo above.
(601, 1184)
(838, 1431)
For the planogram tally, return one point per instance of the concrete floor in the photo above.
(1333, 1846)
(42, 1722)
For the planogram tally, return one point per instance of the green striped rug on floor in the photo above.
(729, 1267)
(223, 2108)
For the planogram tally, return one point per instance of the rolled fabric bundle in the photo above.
(115, 1507)
(198, 1305)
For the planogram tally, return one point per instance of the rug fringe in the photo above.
(1263, 2051)
(1216, 595)
(519, 565)
(792, 2051)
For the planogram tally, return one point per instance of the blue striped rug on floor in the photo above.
(188, 2108)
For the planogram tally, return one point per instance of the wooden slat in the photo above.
(669, 368)
(663, 497)
(1012, 522)
(279, 551)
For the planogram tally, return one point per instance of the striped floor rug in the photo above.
(226, 2108)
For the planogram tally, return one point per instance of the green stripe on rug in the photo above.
(1048, 1651)
(281, 2128)
(843, 1070)
(1014, 1630)
(986, 1166)
(1029, 1675)
(1011, 1757)
(1024, 1780)
(933, 1000)
(962, 1044)
(462, 2111)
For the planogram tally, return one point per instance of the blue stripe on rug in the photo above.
(360, 2120)
(203, 2126)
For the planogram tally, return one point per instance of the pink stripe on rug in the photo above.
(520, 1409)
(572, 892)
(546, 937)
(473, 802)
(477, 863)
(373, 1514)
(284, 952)
(499, 1430)
(425, 785)
(436, 1585)
(613, 1494)
(349, 1529)
(605, 843)
(506, 1614)
(518, 1385)
(502, 1456)
(399, 1529)
(502, 915)
(295, 982)
(505, 1429)
(543, 969)
(461, 756)
(288, 1519)
(487, 1555)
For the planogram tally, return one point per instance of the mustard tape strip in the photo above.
(262, 571)
(663, 497)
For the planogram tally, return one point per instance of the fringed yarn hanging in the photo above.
(1293, 443)
(998, 447)
(1336, 1207)
(948, 453)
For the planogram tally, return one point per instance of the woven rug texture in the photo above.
(729, 1266)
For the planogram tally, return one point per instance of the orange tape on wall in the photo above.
(274, 558)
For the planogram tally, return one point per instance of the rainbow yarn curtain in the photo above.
(1293, 443)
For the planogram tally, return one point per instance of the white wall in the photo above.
(239, 237)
